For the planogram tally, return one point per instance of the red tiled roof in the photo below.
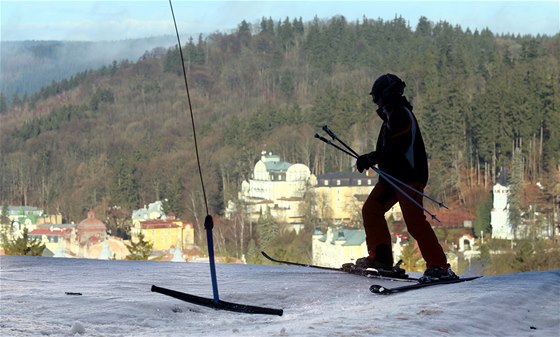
(48, 231)
(158, 224)
(290, 198)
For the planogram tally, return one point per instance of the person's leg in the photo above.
(420, 228)
(378, 237)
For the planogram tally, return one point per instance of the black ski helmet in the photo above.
(388, 86)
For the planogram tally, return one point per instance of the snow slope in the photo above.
(116, 301)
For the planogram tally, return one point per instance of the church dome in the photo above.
(91, 227)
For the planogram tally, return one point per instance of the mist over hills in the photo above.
(26, 66)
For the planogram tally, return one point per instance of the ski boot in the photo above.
(438, 274)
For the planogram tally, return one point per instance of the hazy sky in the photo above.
(117, 20)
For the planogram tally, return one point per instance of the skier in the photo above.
(400, 153)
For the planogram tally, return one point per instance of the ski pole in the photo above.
(434, 217)
(334, 137)
(338, 147)
(387, 176)
(392, 183)
(381, 173)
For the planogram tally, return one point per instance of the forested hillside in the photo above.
(122, 136)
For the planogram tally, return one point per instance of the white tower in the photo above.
(499, 216)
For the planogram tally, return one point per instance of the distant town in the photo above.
(275, 186)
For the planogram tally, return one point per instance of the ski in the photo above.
(379, 289)
(370, 272)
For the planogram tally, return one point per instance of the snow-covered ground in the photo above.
(116, 301)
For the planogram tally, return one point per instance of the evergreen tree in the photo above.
(482, 220)
(139, 249)
(174, 199)
(101, 96)
(244, 33)
(267, 229)
(524, 256)
(308, 208)
(124, 189)
(298, 27)
(23, 245)
(516, 192)
(286, 34)
(253, 253)
(172, 61)
(411, 257)
(4, 219)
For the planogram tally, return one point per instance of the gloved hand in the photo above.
(366, 161)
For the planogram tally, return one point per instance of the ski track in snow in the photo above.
(116, 301)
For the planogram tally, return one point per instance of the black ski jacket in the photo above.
(400, 150)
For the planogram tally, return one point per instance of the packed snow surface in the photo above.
(116, 300)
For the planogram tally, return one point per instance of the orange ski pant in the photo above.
(379, 201)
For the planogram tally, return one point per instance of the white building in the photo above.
(150, 212)
(341, 245)
(277, 185)
(499, 216)
(338, 246)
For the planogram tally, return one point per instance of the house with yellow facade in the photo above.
(164, 234)
(340, 195)
(164, 231)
